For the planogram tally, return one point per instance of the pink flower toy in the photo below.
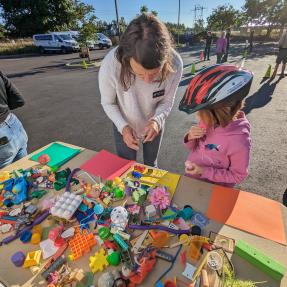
(159, 197)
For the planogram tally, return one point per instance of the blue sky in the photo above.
(167, 9)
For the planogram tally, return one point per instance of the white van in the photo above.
(103, 41)
(55, 41)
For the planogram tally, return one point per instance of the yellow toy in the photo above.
(32, 258)
(98, 262)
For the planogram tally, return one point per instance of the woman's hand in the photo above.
(196, 132)
(192, 168)
(130, 138)
(151, 131)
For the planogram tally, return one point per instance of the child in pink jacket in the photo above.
(220, 144)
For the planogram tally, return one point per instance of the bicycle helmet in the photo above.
(214, 86)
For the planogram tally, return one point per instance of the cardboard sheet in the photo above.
(247, 211)
(58, 153)
(106, 165)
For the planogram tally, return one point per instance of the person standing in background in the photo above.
(282, 56)
(221, 45)
(208, 42)
(13, 138)
(228, 33)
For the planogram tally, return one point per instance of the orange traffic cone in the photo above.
(201, 56)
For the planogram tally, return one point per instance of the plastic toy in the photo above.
(146, 265)
(43, 159)
(119, 216)
(114, 258)
(186, 213)
(4, 228)
(48, 248)
(18, 258)
(36, 234)
(199, 219)
(104, 232)
(54, 266)
(68, 232)
(81, 244)
(159, 197)
(195, 245)
(120, 242)
(164, 255)
(260, 260)
(139, 196)
(98, 262)
(31, 209)
(159, 227)
(150, 211)
(108, 279)
(66, 206)
(32, 258)
(38, 220)
(160, 238)
(195, 230)
(26, 236)
(55, 232)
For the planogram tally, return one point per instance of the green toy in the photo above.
(38, 193)
(260, 260)
(114, 258)
(104, 233)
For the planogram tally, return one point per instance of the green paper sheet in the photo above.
(58, 153)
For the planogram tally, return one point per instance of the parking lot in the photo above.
(64, 104)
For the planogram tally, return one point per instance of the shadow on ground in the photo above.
(261, 97)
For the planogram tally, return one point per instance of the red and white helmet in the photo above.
(215, 85)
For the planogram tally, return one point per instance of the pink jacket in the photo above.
(221, 45)
(223, 153)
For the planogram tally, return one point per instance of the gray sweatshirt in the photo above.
(142, 101)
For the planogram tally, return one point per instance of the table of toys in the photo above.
(74, 217)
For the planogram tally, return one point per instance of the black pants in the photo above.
(206, 52)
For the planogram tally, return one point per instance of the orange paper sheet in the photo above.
(247, 211)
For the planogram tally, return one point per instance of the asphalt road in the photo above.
(64, 104)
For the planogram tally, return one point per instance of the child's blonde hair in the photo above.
(220, 116)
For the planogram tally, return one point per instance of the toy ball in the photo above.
(119, 216)
(43, 159)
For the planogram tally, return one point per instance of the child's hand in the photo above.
(196, 132)
(192, 168)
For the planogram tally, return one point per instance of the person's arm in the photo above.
(189, 144)
(237, 171)
(107, 87)
(14, 97)
(164, 107)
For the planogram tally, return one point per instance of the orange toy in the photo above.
(161, 238)
(81, 244)
(146, 265)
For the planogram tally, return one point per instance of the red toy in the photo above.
(146, 265)
(43, 159)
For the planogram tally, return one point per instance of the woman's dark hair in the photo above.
(149, 43)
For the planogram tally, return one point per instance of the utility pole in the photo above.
(118, 27)
(178, 21)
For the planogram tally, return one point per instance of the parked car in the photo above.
(55, 41)
(103, 41)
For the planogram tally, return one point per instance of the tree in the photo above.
(224, 17)
(143, 9)
(270, 13)
(25, 18)
(2, 31)
(198, 26)
(87, 31)
(155, 13)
